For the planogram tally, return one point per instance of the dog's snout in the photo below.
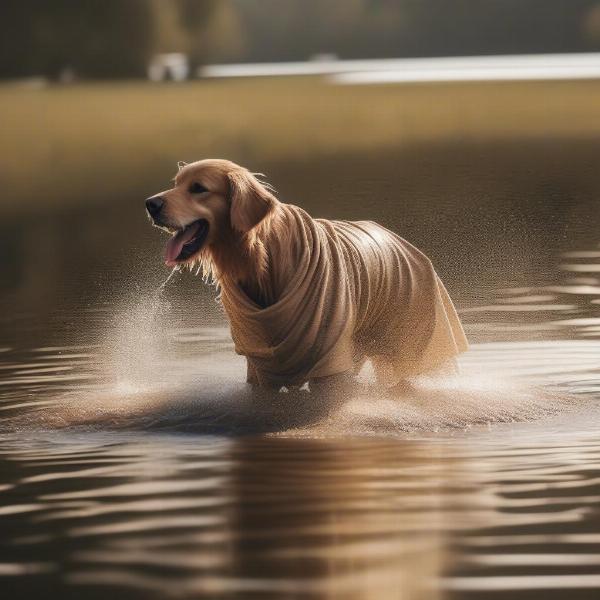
(154, 205)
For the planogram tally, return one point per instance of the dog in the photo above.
(307, 299)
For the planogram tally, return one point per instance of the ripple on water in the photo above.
(484, 483)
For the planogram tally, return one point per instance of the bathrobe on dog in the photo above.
(357, 292)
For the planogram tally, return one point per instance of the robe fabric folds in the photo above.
(356, 291)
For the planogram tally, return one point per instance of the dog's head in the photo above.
(213, 203)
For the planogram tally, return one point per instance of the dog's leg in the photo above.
(403, 388)
(251, 376)
(340, 383)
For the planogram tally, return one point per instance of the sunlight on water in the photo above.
(135, 461)
(171, 390)
(147, 374)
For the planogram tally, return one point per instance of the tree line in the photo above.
(117, 38)
(95, 38)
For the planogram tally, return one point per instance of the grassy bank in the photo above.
(62, 146)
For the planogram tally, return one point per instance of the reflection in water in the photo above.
(353, 518)
(272, 517)
(132, 457)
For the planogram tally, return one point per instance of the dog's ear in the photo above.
(251, 201)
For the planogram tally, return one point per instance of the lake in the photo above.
(134, 463)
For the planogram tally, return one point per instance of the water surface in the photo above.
(134, 463)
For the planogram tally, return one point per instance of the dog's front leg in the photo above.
(251, 375)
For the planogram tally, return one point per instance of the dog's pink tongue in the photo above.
(176, 243)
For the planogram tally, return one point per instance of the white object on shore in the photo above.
(409, 70)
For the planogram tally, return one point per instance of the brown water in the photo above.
(133, 462)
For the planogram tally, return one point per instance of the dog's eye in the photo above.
(197, 188)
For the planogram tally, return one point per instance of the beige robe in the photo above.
(355, 291)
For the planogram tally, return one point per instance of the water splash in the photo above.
(138, 343)
(157, 377)
(209, 396)
(163, 285)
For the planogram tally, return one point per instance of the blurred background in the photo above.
(353, 109)
(115, 39)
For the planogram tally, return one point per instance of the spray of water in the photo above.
(208, 395)
(137, 344)
(149, 386)
(163, 285)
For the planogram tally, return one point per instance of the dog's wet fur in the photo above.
(239, 211)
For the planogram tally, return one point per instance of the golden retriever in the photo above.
(306, 298)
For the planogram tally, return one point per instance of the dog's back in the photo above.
(355, 291)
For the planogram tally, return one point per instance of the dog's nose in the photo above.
(154, 205)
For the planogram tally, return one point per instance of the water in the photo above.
(134, 463)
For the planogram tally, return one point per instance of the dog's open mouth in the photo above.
(185, 243)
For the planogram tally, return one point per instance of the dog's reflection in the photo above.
(333, 519)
